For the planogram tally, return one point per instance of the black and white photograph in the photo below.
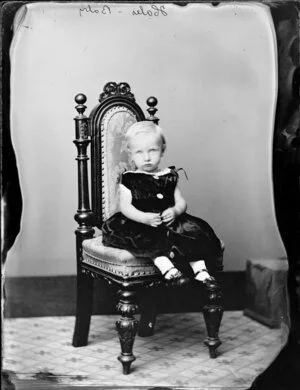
(150, 209)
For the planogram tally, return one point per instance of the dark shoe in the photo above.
(176, 280)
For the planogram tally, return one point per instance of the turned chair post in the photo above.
(213, 310)
(84, 218)
(213, 313)
(127, 325)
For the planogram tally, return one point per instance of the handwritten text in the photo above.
(141, 10)
(104, 10)
(153, 11)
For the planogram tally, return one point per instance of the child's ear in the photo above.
(129, 154)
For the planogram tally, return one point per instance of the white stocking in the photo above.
(165, 266)
(198, 266)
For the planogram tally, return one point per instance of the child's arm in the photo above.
(169, 215)
(131, 212)
(180, 203)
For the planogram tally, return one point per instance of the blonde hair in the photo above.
(145, 127)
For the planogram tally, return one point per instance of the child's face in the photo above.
(146, 151)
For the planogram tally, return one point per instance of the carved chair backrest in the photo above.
(109, 121)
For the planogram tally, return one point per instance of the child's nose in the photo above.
(147, 156)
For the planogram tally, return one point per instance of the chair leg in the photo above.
(213, 313)
(148, 310)
(127, 327)
(85, 287)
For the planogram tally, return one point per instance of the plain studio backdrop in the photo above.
(213, 70)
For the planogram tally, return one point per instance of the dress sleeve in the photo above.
(125, 179)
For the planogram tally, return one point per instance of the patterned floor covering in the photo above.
(174, 356)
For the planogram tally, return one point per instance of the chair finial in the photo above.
(80, 99)
(152, 102)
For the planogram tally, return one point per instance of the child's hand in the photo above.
(168, 216)
(152, 219)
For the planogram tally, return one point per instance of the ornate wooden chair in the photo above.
(104, 130)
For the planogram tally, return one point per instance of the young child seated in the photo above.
(152, 221)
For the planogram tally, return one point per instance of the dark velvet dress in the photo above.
(187, 239)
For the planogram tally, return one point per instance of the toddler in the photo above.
(152, 221)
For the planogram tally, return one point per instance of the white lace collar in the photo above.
(159, 173)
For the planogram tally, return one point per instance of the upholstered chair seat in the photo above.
(117, 262)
